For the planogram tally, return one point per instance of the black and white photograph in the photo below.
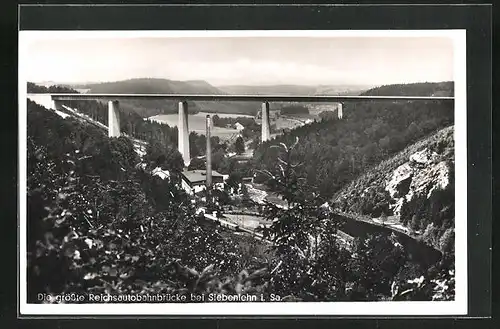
(243, 172)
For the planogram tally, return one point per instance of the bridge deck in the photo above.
(262, 98)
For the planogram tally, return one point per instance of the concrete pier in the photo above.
(56, 105)
(339, 110)
(114, 119)
(183, 128)
(209, 152)
(266, 129)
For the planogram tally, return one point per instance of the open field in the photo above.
(197, 123)
(247, 221)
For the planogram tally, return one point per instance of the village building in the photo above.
(194, 181)
(238, 126)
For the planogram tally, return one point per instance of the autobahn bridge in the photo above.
(53, 101)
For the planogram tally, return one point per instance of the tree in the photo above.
(166, 157)
(429, 235)
(239, 145)
(415, 223)
(383, 217)
(447, 241)
(375, 263)
(309, 262)
(413, 131)
(218, 158)
(328, 115)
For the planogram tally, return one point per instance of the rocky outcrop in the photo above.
(408, 186)
(425, 172)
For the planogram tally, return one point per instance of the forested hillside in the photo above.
(414, 89)
(334, 152)
(416, 185)
(149, 107)
(294, 89)
(269, 90)
(132, 124)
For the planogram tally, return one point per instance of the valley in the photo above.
(330, 194)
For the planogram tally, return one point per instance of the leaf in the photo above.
(60, 220)
(284, 146)
(290, 298)
(89, 242)
(113, 272)
(243, 275)
(207, 269)
(257, 274)
(89, 276)
(192, 271)
(62, 196)
(238, 288)
(295, 143)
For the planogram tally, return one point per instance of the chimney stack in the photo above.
(209, 153)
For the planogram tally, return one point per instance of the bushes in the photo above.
(376, 263)
(97, 224)
(105, 236)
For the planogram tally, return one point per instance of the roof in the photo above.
(160, 173)
(195, 176)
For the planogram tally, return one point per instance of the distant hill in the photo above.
(347, 90)
(445, 88)
(269, 90)
(147, 85)
(294, 90)
(147, 108)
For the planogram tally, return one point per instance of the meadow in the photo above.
(197, 123)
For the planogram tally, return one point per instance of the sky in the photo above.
(241, 60)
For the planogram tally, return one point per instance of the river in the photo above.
(417, 251)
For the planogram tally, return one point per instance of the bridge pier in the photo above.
(266, 129)
(55, 104)
(113, 119)
(183, 129)
(339, 110)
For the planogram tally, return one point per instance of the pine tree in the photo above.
(239, 145)
(304, 236)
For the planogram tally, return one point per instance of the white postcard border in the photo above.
(456, 307)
